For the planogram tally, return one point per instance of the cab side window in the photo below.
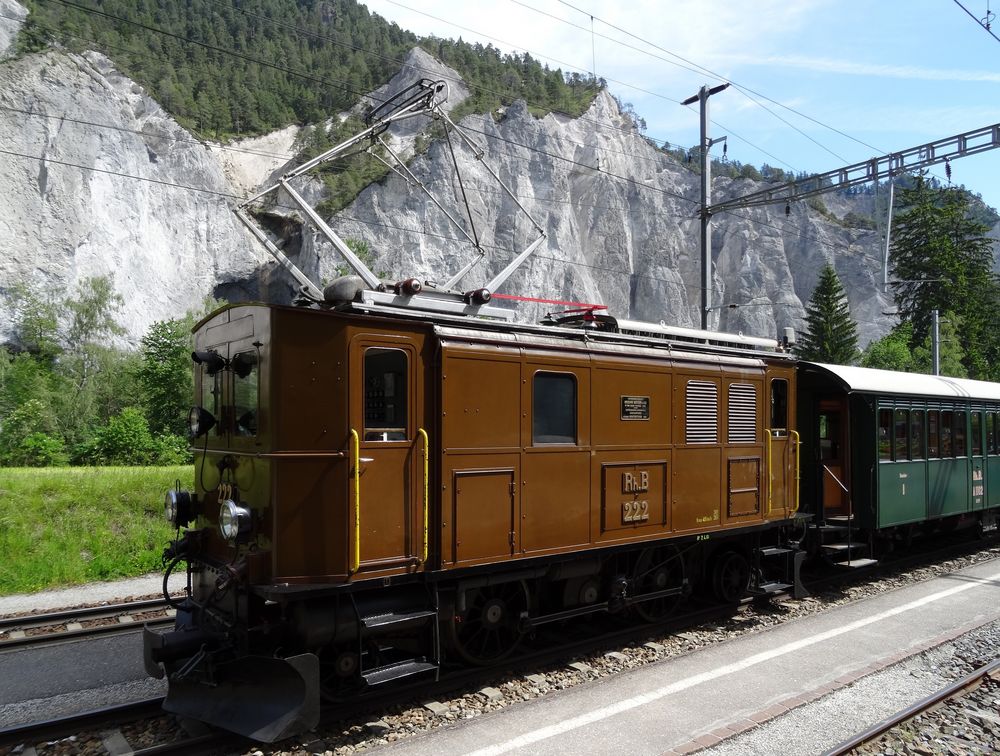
(553, 408)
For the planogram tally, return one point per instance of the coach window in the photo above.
(779, 406)
(991, 432)
(902, 445)
(916, 434)
(947, 431)
(961, 449)
(933, 434)
(553, 409)
(977, 433)
(385, 394)
(885, 435)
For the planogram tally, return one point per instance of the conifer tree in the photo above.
(831, 334)
(942, 260)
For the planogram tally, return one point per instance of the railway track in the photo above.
(119, 729)
(957, 689)
(548, 652)
(84, 622)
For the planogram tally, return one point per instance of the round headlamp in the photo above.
(200, 421)
(234, 520)
(178, 508)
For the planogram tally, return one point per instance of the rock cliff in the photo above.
(106, 183)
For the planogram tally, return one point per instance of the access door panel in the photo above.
(483, 515)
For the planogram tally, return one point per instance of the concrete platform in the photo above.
(680, 704)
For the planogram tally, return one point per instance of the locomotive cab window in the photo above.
(211, 396)
(779, 407)
(246, 393)
(553, 409)
(385, 394)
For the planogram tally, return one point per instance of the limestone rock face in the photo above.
(109, 185)
(622, 229)
(12, 15)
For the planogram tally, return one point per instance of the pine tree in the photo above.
(943, 260)
(831, 334)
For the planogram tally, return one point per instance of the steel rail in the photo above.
(971, 680)
(60, 727)
(15, 627)
(84, 612)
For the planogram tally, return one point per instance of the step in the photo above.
(397, 671)
(389, 619)
(772, 551)
(769, 589)
(844, 520)
(857, 563)
(843, 548)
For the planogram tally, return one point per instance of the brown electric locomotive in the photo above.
(396, 478)
(381, 492)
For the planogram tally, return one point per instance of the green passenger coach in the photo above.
(888, 454)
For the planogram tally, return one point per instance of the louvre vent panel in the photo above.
(702, 413)
(742, 413)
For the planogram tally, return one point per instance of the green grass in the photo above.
(69, 525)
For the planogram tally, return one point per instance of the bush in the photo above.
(124, 440)
(171, 450)
(39, 450)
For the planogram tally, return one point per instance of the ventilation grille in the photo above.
(742, 413)
(702, 413)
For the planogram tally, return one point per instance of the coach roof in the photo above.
(858, 379)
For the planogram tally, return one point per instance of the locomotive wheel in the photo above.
(730, 577)
(489, 630)
(658, 569)
(339, 673)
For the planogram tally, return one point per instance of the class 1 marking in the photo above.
(628, 704)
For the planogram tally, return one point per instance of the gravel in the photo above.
(399, 722)
(839, 716)
(113, 592)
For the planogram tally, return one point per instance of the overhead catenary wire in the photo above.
(549, 58)
(973, 17)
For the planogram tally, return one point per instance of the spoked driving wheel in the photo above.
(488, 629)
(658, 569)
(730, 577)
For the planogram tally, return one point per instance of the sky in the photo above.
(817, 84)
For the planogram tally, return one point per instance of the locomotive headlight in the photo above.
(178, 508)
(234, 520)
(200, 421)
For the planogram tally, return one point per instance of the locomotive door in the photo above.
(387, 415)
(779, 448)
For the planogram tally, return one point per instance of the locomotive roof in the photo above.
(869, 381)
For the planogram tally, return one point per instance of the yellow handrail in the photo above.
(770, 473)
(798, 443)
(423, 436)
(356, 461)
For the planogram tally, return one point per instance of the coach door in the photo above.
(387, 493)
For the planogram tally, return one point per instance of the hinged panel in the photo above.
(744, 487)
